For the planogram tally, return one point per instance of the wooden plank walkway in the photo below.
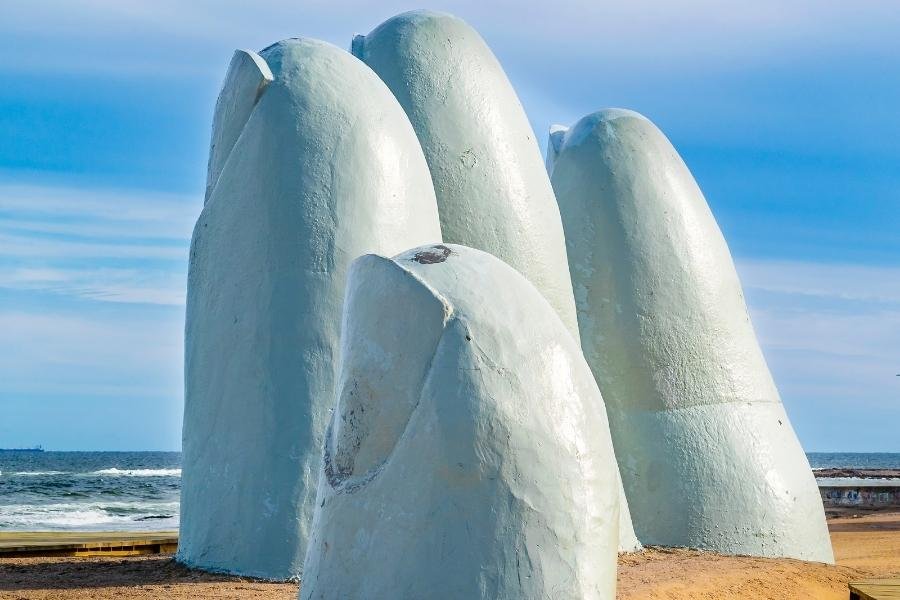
(99, 543)
(875, 589)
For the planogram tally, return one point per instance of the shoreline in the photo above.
(852, 473)
(865, 546)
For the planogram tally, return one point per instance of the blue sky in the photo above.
(787, 114)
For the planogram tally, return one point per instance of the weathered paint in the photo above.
(492, 190)
(706, 451)
(327, 168)
(468, 456)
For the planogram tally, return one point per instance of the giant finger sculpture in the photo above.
(313, 163)
(707, 454)
(492, 191)
(468, 455)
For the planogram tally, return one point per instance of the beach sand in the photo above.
(868, 546)
(864, 547)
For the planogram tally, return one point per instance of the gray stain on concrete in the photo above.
(435, 254)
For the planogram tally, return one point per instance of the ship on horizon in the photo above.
(37, 448)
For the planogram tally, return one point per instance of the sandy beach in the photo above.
(865, 546)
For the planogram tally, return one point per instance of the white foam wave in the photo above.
(36, 473)
(89, 516)
(138, 472)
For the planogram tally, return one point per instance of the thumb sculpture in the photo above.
(492, 190)
(467, 456)
(707, 454)
(313, 163)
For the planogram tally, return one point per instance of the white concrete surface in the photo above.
(326, 168)
(493, 192)
(246, 80)
(492, 189)
(706, 451)
(468, 455)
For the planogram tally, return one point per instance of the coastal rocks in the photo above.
(707, 454)
(492, 190)
(324, 167)
(468, 455)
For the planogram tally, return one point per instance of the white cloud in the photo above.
(168, 37)
(839, 281)
(109, 285)
(831, 332)
(837, 309)
(98, 211)
(106, 377)
(861, 333)
(62, 241)
(30, 247)
(97, 353)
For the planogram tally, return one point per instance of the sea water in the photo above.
(128, 491)
(855, 460)
(89, 491)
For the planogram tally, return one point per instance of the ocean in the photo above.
(128, 491)
(89, 491)
(854, 460)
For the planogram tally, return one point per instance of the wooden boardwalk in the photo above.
(100, 543)
(875, 589)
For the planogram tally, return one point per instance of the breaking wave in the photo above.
(89, 516)
(138, 472)
(89, 491)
